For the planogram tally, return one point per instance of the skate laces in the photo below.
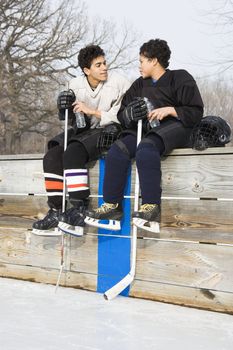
(147, 207)
(105, 207)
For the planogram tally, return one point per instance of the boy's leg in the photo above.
(53, 173)
(76, 174)
(148, 160)
(149, 169)
(117, 163)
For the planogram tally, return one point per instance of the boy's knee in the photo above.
(75, 156)
(118, 150)
(145, 148)
(53, 155)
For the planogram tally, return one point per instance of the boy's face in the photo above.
(98, 70)
(147, 66)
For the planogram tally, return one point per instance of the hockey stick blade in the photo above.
(119, 287)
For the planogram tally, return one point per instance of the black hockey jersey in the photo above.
(175, 88)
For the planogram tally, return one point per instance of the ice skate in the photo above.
(47, 226)
(111, 212)
(148, 217)
(72, 221)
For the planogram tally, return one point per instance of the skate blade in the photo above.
(151, 226)
(113, 225)
(71, 230)
(46, 233)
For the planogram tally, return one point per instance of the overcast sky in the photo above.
(194, 41)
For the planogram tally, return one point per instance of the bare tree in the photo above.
(220, 16)
(39, 43)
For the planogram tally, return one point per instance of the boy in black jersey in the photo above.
(177, 106)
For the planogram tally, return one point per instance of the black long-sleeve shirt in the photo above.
(175, 88)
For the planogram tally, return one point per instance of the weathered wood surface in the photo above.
(38, 274)
(21, 175)
(187, 274)
(185, 264)
(189, 262)
(207, 221)
(198, 176)
(187, 296)
(185, 174)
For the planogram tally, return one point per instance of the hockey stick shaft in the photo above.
(63, 202)
(128, 279)
(65, 146)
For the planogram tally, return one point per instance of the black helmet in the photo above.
(107, 137)
(212, 131)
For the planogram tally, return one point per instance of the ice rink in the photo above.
(34, 317)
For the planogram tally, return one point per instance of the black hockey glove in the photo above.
(135, 111)
(64, 101)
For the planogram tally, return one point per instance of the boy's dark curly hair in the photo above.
(88, 54)
(156, 48)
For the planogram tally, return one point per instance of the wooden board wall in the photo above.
(189, 262)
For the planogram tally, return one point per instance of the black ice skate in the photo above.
(107, 211)
(72, 220)
(148, 217)
(47, 226)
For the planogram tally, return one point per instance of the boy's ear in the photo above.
(155, 61)
(86, 71)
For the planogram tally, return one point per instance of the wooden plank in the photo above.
(194, 297)
(202, 221)
(29, 207)
(25, 176)
(21, 176)
(187, 296)
(212, 150)
(179, 151)
(185, 173)
(46, 275)
(18, 246)
(21, 156)
(185, 264)
(22, 211)
(198, 177)
(84, 254)
(208, 176)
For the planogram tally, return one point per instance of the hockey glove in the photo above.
(135, 111)
(64, 101)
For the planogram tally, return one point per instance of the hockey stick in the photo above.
(63, 202)
(128, 279)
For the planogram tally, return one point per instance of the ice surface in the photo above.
(33, 317)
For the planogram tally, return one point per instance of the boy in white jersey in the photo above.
(97, 94)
